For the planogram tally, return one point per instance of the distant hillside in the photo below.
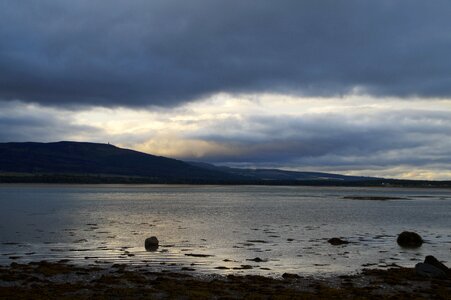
(282, 175)
(87, 159)
(75, 162)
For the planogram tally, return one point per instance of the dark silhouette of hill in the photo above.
(75, 158)
(282, 175)
(78, 162)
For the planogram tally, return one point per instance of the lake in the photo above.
(222, 229)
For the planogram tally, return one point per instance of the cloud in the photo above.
(140, 53)
(383, 141)
(358, 136)
(20, 122)
(381, 138)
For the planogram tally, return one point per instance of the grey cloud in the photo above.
(20, 123)
(383, 139)
(375, 141)
(167, 52)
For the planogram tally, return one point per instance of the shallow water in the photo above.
(286, 227)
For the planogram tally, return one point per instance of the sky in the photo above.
(353, 87)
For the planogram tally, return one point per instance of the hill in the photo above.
(78, 162)
(75, 159)
(268, 175)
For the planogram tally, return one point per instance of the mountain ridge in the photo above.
(94, 158)
(84, 162)
(279, 174)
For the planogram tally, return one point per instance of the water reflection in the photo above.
(248, 230)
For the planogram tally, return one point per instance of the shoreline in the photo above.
(95, 179)
(61, 280)
(194, 185)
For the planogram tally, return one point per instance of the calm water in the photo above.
(287, 227)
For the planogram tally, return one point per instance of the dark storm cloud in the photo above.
(166, 52)
(21, 123)
(385, 139)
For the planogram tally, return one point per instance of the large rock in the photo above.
(337, 241)
(427, 270)
(431, 260)
(151, 244)
(409, 239)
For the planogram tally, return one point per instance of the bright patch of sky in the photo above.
(356, 135)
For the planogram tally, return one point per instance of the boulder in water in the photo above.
(151, 244)
(337, 241)
(258, 259)
(408, 239)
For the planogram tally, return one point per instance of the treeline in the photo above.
(103, 179)
(111, 179)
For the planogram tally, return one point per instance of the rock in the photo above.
(197, 255)
(431, 260)
(337, 241)
(290, 276)
(257, 259)
(409, 239)
(427, 270)
(246, 267)
(379, 198)
(151, 244)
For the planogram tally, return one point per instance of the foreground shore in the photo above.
(44, 280)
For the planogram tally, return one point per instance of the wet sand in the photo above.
(61, 280)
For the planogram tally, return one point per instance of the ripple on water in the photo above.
(287, 228)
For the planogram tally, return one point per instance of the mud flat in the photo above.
(61, 280)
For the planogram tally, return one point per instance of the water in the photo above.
(286, 227)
